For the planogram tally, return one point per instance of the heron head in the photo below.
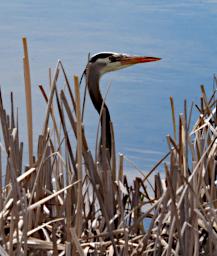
(111, 61)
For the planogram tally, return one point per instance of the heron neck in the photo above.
(97, 99)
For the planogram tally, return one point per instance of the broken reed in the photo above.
(66, 203)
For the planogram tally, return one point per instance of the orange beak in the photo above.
(130, 60)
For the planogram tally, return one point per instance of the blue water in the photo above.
(183, 34)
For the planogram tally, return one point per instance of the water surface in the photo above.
(183, 33)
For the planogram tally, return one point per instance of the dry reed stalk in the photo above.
(69, 217)
(76, 242)
(79, 159)
(40, 165)
(42, 201)
(72, 121)
(113, 153)
(28, 99)
(173, 117)
(50, 100)
(205, 101)
(63, 124)
(52, 114)
(120, 172)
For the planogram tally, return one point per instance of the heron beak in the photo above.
(130, 60)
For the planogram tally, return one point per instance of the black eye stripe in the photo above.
(112, 58)
(100, 56)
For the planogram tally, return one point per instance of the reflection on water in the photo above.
(182, 33)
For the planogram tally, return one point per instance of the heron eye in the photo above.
(112, 58)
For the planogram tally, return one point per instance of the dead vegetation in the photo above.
(68, 203)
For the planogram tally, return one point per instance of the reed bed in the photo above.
(66, 201)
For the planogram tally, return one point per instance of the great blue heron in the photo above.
(100, 64)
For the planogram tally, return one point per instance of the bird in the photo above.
(99, 64)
